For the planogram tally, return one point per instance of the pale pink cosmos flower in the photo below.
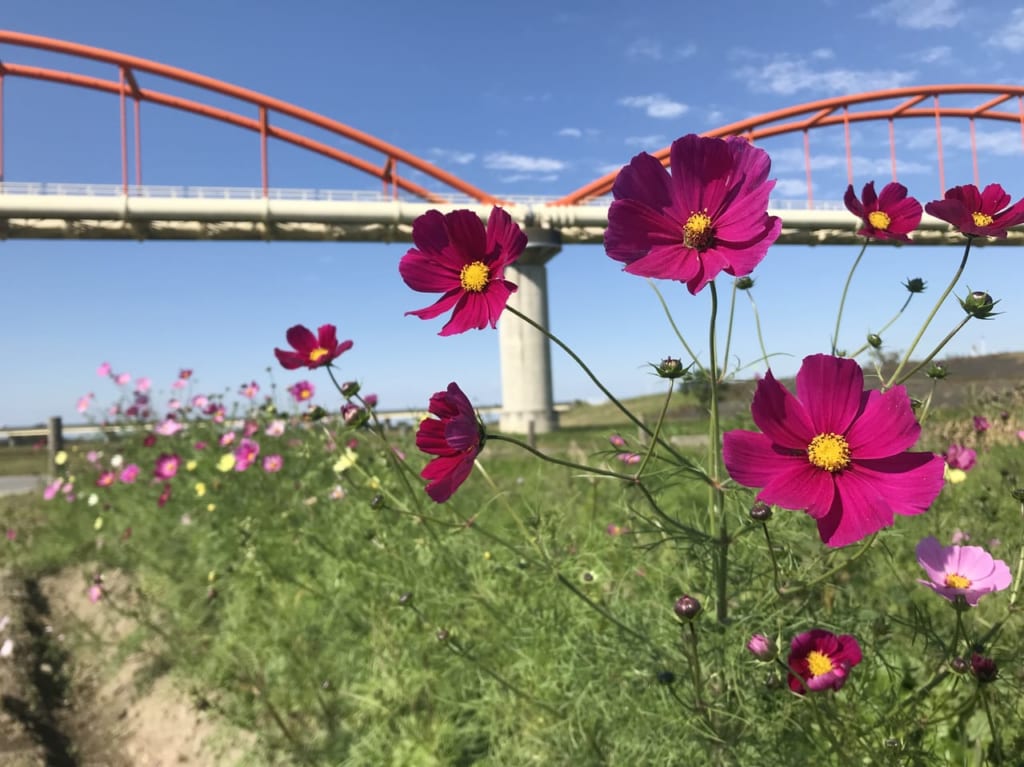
(84, 402)
(93, 457)
(275, 428)
(129, 474)
(959, 536)
(179, 384)
(143, 385)
(249, 390)
(961, 571)
(272, 463)
(200, 401)
(168, 427)
(95, 593)
(122, 378)
(174, 404)
(227, 439)
(51, 490)
(103, 370)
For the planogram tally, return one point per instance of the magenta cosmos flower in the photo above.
(955, 571)
(888, 216)
(709, 215)
(457, 257)
(960, 457)
(820, 660)
(835, 451)
(455, 436)
(975, 213)
(311, 351)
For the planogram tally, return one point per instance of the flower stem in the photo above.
(728, 332)
(842, 300)
(675, 328)
(716, 496)
(757, 326)
(884, 327)
(775, 563)
(694, 653)
(936, 350)
(561, 462)
(931, 316)
(657, 429)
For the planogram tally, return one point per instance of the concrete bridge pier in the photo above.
(527, 403)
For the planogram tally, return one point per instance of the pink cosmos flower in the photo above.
(888, 216)
(129, 474)
(961, 571)
(84, 402)
(166, 466)
(168, 427)
(629, 458)
(200, 401)
(370, 400)
(165, 495)
(835, 451)
(301, 391)
(174, 404)
(960, 457)
(106, 479)
(275, 428)
(617, 440)
(103, 370)
(455, 436)
(249, 428)
(143, 385)
(820, 660)
(977, 213)
(95, 593)
(249, 390)
(184, 374)
(179, 384)
(455, 256)
(311, 351)
(709, 215)
(122, 378)
(272, 463)
(245, 454)
(226, 439)
(981, 424)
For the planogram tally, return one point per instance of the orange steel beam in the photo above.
(216, 113)
(822, 113)
(136, 64)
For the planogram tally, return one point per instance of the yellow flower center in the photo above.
(818, 663)
(879, 219)
(829, 451)
(698, 232)
(317, 354)
(981, 219)
(475, 276)
(304, 394)
(955, 581)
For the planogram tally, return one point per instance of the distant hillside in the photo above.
(969, 380)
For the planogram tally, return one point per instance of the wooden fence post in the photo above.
(54, 444)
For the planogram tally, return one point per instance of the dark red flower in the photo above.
(888, 216)
(819, 660)
(977, 213)
(709, 215)
(457, 257)
(311, 351)
(455, 436)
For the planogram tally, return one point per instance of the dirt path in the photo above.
(65, 702)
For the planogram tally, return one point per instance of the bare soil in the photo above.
(69, 697)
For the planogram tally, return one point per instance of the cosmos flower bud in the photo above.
(979, 305)
(874, 341)
(959, 665)
(760, 511)
(937, 371)
(915, 285)
(744, 283)
(762, 647)
(670, 367)
(405, 599)
(687, 607)
(349, 389)
(984, 669)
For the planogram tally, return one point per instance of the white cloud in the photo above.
(919, 14)
(1011, 35)
(935, 55)
(822, 53)
(788, 188)
(644, 48)
(522, 163)
(1001, 142)
(655, 105)
(787, 75)
(570, 132)
(452, 156)
(654, 141)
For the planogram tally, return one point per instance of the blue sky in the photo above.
(524, 98)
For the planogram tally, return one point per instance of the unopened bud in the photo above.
(984, 669)
(760, 511)
(937, 371)
(979, 305)
(762, 647)
(915, 285)
(670, 367)
(744, 283)
(874, 341)
(687, 607)
(349, 389)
